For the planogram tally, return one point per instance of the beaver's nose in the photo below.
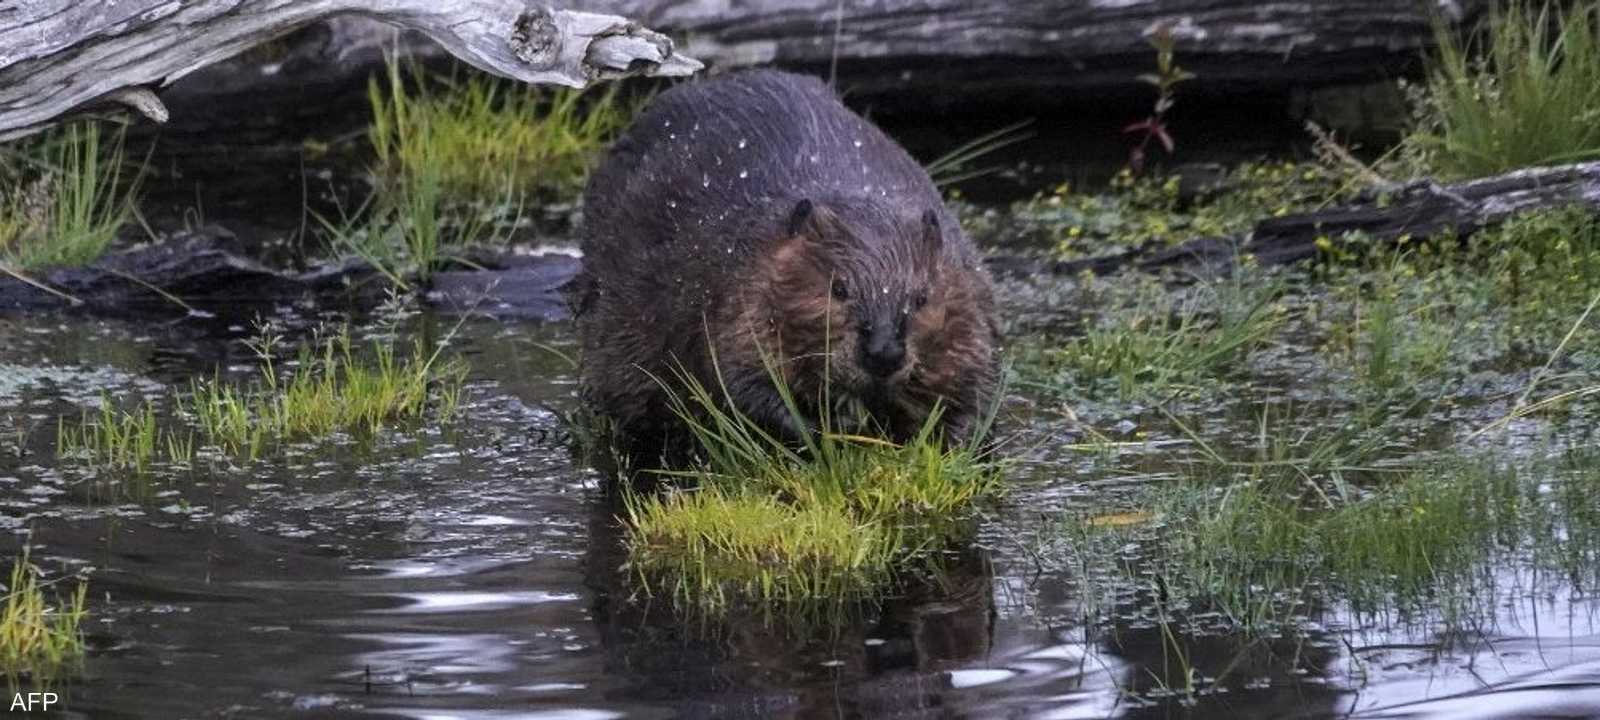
(883, 353)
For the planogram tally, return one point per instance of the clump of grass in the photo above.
(716, 546)
(39, 638)
(64, 198)
(455, 165)
(123, 440)
(481, 137)
(1160, 343)
(1527, 93)
(331, 390)
(1426, 539)
(1396, 335)
(1424, 535)
(801, 529)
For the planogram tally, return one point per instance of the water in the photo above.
(472, 571)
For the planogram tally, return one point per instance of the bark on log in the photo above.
(57, 56)
(1420, 211)
(935, 51)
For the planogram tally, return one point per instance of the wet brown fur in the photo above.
(690, 257)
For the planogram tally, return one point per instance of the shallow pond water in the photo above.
(471, 571)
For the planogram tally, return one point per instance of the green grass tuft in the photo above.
(332, 390)
(481, 137)
(39, 639)
(122, 440)
(1527, 93)
(64, 197)
(802, 530)
(1425, 540)
(456, 164)
(1158, 344)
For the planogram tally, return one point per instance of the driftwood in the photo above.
(1419, 210)
(59, 56)
(906, 55)
(937, 52)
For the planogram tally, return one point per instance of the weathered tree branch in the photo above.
(1421, 210)
(60, 56)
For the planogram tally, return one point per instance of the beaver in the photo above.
(751, 222)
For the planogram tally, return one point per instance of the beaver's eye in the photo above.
(918, 300)
(840, 292)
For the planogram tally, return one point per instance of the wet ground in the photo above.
(471, 571)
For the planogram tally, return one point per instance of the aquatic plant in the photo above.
(332, 389)
(1157, 343)
(1285, 535)
(64, 197)
(39, 639)
(1527, 93)
(799, 530)
(1393, 336)
(122, 440)
(1168, 209)
(1419, 315)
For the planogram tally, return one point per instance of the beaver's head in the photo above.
(859, 284)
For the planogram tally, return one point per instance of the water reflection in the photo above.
(473, 572)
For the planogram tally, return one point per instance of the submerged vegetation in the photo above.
(122, 440)
(39, 637)
(1432, 542)
(331, 390)
(334, 387)
(802, 530)
(63, 197)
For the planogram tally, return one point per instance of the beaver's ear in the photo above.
(817, 225)
(932, 234)
(799, 217)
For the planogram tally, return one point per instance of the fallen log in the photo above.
(1418, 210)
(921, 54)
(61, 56)
(207, 271)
